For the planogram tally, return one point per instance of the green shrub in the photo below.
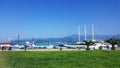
(100, 47)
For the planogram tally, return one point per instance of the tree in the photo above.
(61, 46)
(88, 43)
(25, 47)
(113, 42)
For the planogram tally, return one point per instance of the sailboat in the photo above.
(78, 35)
(93, 38)
(78, 44)
(79, 40)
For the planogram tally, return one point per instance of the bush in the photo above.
(100, 47)
(112, 48)
(87, 48)
(60, 48)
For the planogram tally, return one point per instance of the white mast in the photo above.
(85, 33)
(18, 39)
(93, 32)
(78, 33)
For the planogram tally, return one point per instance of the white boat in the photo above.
(49, 46)
(74, 46)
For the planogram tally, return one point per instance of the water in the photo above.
(43, 43)
(47, 44)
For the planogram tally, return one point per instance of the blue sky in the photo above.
(58, 18)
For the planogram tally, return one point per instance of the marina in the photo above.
(56, 46)
(32, 45)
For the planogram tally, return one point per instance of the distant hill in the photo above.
(97, 37)
(71, 38)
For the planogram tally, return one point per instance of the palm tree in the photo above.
(25, 47)
(61, 46)
(88, 43)
(113, 42)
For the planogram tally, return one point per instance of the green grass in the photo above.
(61, 59)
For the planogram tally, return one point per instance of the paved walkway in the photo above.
(44, 50)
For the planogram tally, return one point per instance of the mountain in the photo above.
(71, 38)
(97, 37)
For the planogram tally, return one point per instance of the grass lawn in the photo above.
(60, 59)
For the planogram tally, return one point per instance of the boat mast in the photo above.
(18, 39)
(85, 33)
(93, 32)
(32, 39)
(78, 33)
(9, 38)
(33, 42)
